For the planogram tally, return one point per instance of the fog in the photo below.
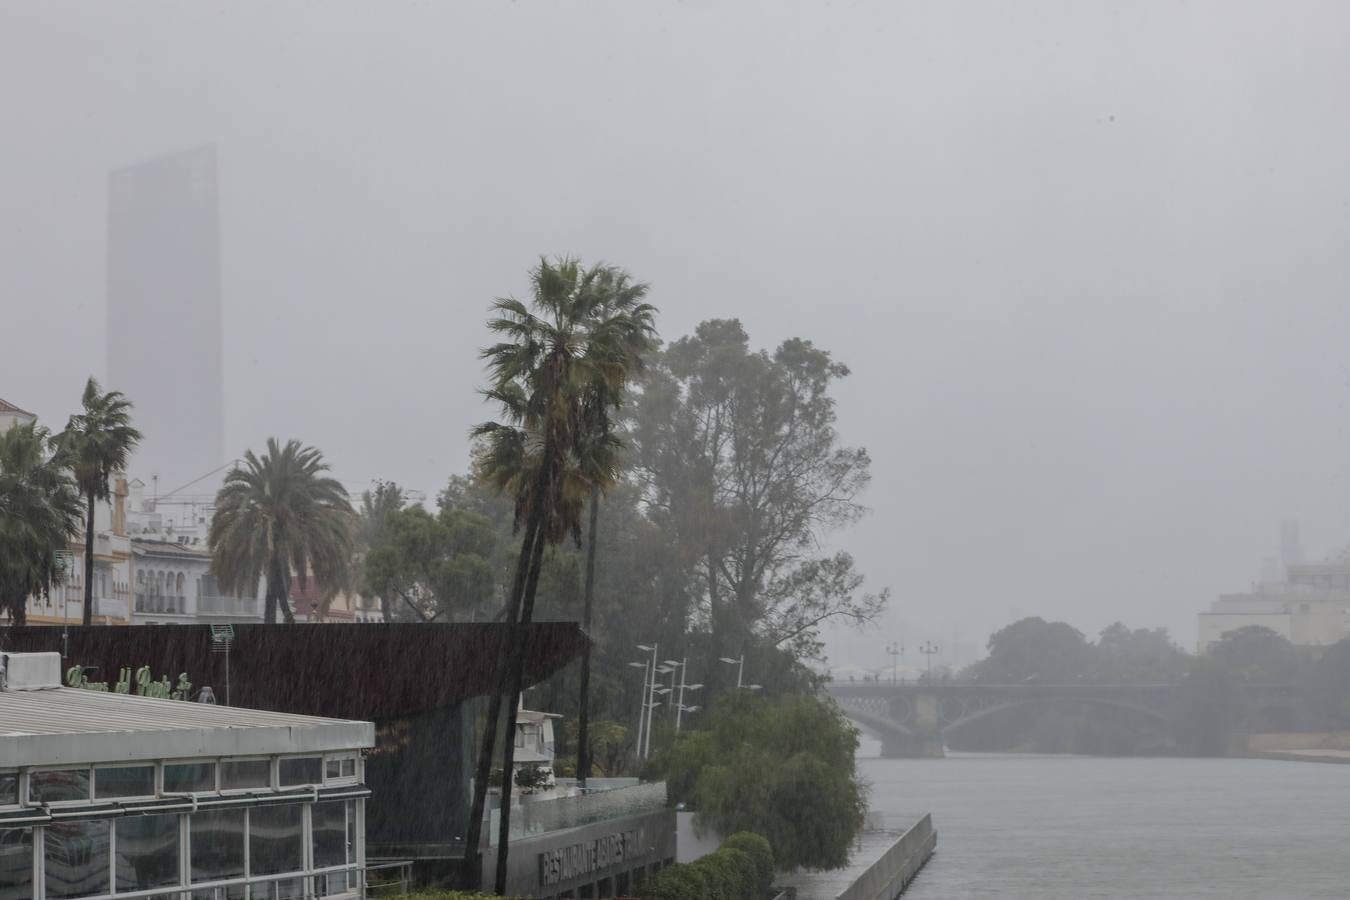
(1085, 260)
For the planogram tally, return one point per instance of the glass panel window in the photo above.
(332, 769)
(16, 863)
(217, 844)
(301, 770)
(285, 889)
(184, 778)
(233, 892)
(9, 788)
(147, 852)
(349, 768)
(77, 859)
(124, 781)
(243, 774)
(57, 785)
(329, 824)
(275, 839)
(334, 883)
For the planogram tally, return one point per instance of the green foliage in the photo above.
(40, 513)
(530, 778)
(732, 872)
(1033, 649)
(96, 443)
(781, 767)
(280, 514)
(760, 854)
(455, 895)
(433, 566)
(739, 460)
(1257, 654)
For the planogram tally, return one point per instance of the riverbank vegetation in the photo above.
(1211, 716)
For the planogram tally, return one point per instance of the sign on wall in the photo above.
(577, 860)
(144, 683)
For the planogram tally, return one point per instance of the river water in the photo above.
(1020, 826)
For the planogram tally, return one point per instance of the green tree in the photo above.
(96, 444)
(437, 566)
(549, 361)
(40, 514)
(1257, 654)
(739, 456)
(781, 767)
(280, 513)
(1329, 685)
(1033, 649)
(1137, 656)
(371, 522)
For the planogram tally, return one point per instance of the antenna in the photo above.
(222, 636)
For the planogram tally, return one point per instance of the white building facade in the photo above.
(110, 796)
(1308, 604)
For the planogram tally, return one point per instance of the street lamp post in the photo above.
(896, 650)
(928, 649)
(645, 709)
(740, 668)
(680, 708)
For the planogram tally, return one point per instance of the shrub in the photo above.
(730, 873)
(760, 853)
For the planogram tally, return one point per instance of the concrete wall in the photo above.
(1267, 743)
(887, 878)
(525, 866)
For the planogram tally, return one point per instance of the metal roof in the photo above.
(72, 725)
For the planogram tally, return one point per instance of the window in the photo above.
(58, 785)
(147, 852)
(16, 863)
(76, 855)
(333, 826)
(124, 781)
(301, 770)
(217, 845)
(245, 774)
(187, 778)
(275, 839)
(9, 788)
(337, 768)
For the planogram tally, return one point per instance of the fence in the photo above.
(541, 816)
(389, 879)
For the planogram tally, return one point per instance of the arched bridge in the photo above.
(915, 719)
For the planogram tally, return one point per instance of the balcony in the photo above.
(163, 604)
(224, 605)
(535, 817)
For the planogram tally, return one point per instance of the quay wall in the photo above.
(892, 872)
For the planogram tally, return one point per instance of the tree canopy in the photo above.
(40, 513)
(780, 767)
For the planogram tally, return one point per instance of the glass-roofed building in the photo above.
(111, 795)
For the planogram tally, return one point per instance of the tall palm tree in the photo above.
(550, 360)
(597, 450)
(96, 444)
(277, 514)
(40, 513)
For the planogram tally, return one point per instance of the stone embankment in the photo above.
(883, 865)
(1327, 747)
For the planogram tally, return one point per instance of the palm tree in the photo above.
(97, 443)
(277, 514)
(578, 338)
(40, 513)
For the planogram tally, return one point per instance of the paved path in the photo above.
(828, 885)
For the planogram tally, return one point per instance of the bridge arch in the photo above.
(1165, 723)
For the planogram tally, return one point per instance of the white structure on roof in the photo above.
(1308, 604)
(106, 795)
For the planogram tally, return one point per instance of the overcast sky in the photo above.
(1087, 261)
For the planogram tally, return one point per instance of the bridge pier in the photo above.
(925, 738)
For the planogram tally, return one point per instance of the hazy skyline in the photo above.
(1085, 260)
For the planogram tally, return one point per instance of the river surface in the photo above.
(1019, 826)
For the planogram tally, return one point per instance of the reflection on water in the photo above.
(1013, 826)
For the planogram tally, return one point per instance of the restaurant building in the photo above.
(105, 794)
(422, 685)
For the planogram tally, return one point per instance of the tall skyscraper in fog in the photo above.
(164, 324)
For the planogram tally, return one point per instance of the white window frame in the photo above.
(271, 784)
(27, 795)
(155, 777)
(303, 784)
(190, 761)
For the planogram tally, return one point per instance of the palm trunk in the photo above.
(269, 604)
(89, 560)
(474, 832)
(386, 608)
(517, 674)
(584, 715)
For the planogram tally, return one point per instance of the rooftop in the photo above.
(54, 726)
(7, 407)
